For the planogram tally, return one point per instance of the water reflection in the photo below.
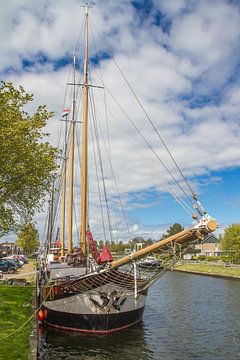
(129, 344)
(186, 317)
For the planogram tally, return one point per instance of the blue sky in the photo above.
(182, 58)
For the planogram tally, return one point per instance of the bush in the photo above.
(225, 258)
(201, 257)
(211, 258)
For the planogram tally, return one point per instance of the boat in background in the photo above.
(149, 262)
(79, 287)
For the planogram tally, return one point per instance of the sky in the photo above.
(181, 57)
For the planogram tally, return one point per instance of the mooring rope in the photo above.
(27, 321)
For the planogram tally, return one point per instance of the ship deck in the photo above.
(60, 270)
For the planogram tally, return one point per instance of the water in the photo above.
(186, 317)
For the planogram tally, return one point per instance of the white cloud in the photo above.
(173, 7)
(198, 56)
(135, 228)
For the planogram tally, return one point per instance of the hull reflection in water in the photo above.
(56, 344)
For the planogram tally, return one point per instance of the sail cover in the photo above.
(93, 246)
(105, 255)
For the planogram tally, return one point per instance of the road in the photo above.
(27, 271)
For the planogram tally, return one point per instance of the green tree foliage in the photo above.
(148, 242)
(230, 242)
(27, 162)
(28, 239)
(118, 248)
(174, 229)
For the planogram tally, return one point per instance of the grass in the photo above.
(32, 278)
(15, 309)
(210, 269)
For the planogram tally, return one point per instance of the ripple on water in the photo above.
(186, 317)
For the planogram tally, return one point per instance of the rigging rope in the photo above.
(92, 106)
(98, 184)
(185, 206)
(108, 152)
(150, 147)
(151, 122)
(115, 182)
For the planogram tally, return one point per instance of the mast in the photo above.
(71, 159)
(50, 218)
(64, 172)
(63, 208)
(84, 144)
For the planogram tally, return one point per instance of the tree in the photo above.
(27, 162)
(100, 244)
(28, 239)
(174, 229)
(148, 242)
(230, 242)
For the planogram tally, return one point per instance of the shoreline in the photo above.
(202, 273)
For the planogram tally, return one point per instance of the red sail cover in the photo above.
(105, 254)
(93, 246)
(58, 243)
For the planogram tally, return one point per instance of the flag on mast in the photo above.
(65, 112)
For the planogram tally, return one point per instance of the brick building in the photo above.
(211, 247)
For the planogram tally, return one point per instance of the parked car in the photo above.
(7, 267)
(20, 257)
(14, 262)
(11, 262)
(19, 261)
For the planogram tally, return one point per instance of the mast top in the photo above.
(87, 6)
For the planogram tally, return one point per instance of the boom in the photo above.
(202, 229)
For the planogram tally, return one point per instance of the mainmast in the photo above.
(71, 159)
(84, 143)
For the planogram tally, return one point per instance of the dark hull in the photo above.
(149, 266)
(94, 323)
(100, 303)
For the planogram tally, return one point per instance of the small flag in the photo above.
(65, 112)
(58, 243)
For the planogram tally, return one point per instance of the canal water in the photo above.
(186, 317)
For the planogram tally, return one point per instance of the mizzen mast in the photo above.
(84, 143)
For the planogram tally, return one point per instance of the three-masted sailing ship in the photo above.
(81, 289)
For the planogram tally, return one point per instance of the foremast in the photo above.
(84, 144)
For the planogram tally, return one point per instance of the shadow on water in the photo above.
(55, 344)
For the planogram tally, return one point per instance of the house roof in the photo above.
(211, 240)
